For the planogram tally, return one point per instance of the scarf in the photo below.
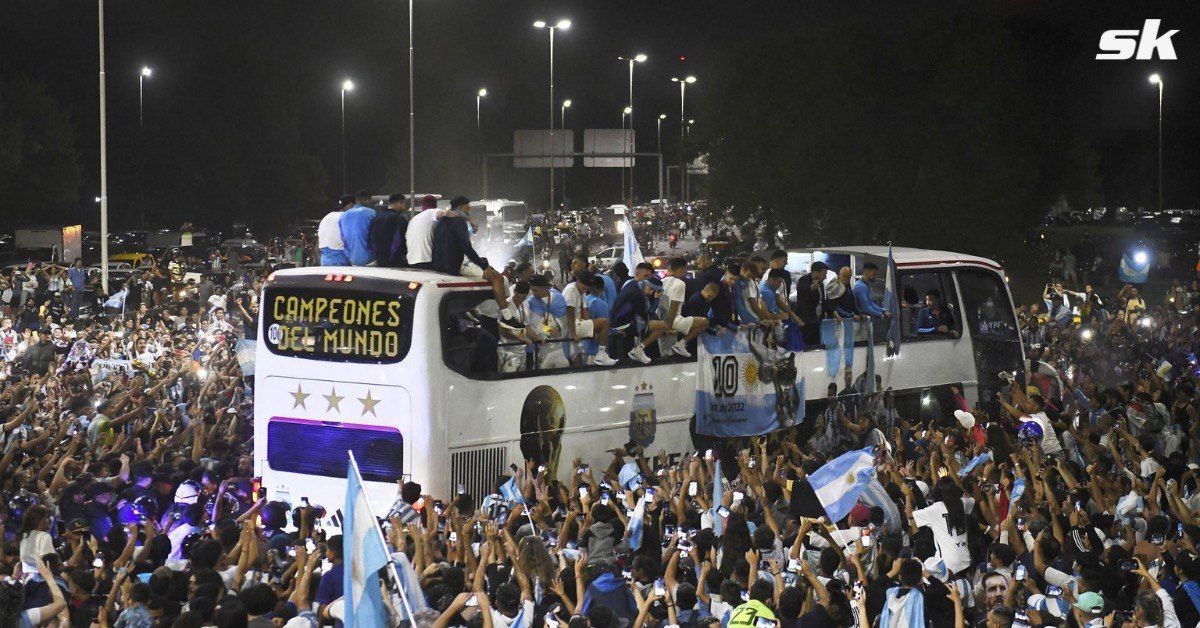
(906, 612)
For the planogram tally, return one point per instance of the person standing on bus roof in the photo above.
(329, 236)
(355, 225)
(578, 328)
(452, 244)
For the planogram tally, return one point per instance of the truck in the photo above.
(48, 244)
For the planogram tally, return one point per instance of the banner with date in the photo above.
(745, 385)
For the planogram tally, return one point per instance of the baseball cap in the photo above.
(1090, 602)
(539, 281)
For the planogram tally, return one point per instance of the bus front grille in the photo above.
(476, 470)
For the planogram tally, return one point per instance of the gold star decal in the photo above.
(369, 404)
(299, 396)
(333, 399)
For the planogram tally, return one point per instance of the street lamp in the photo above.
(683, 83)
(347, 86)
(638, 58)
(1157, 80)
(478, 119)
(560, 25)
(661, 117)
(627, 112)
(103, 158)
(142, 76)
(691, 121)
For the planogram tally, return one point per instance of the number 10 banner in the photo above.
(746, 385)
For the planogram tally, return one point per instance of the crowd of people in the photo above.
(1067, 499)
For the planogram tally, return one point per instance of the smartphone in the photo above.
(1053, 591)
(582, 469)
(858, 589)
(723, 511)
(793, 565)
(668, 532)
(649, 496)
(708, 455)
(1158, 539)
(1079, 505)
(604, 498)
(738, 496)
(1020, 573)
(693, 488)
(660, 588)
(471, 601)
(1021, 523)
(98, 563)
(583, 491)
(865, 539)
(461, 489)
(453, 536)
(1179, 529)
(550, 621)
(626, 574)
(310, 545)
(513, 466)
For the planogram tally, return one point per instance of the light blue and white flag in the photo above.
(1018, 490)
(974, 462)
(117, 300)
(636, 525)
(366, 555)
(633, 252)
(526, 240)
(842, 480)
(510, 492)
(875, 495)
(1130, 270)
(745, 387)
(891, 303)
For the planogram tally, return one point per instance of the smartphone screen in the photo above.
(692, 489)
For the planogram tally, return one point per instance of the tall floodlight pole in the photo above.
(412, 117)
(560, 25)
(479, 111)
(661, 196)
(142, 76)
(638, 58)
(562, 124)
(1157, 80)
(683, 83)
(103, 163)
(347, 85)
(627, 112)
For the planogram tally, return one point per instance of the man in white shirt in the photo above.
(671, 304)
(419, 236)
(579, 328)
(329, 235)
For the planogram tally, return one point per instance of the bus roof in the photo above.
(423, 277)
(907, 256)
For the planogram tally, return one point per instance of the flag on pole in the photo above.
(366, 554)
(974, 462)
(636, 524)
(510, 491)
(526, 240)
(892, 304)
(117, 301)
(633, 252)
(837, 485)
(875, 495)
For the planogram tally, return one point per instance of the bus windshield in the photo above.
(363, 320)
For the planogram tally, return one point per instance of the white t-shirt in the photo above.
(674, 289)
(574, 298)
(952, 548)
(35, 545)
(419, 237)
(1050, 442)
(329, 235)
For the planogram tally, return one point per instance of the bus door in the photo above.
(992, 325)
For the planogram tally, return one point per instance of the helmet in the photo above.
(1030, 432)
(187, 493)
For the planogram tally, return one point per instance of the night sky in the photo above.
(462, 45)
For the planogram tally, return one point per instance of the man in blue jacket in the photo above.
(609, 589)
(355, 226)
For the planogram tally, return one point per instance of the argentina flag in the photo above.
(842, 480)
(892, 304)
(366, 555)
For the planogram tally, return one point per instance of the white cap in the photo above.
(965, 419)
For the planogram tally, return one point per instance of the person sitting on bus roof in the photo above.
(452, 244)
(934, 318)
(355, 225)
(419, 235)
(387, 233)
(597, 307)
(671, 308)
(329, 237)
(632, 305)
(575, 326)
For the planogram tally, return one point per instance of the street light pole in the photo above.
(661, 196)
(145, 74)
(638, 58)
(627, 112)
(103, 163)
(1157, 80)
(683, 83)
(479, 132)
(564, 25)
(562, 124)
(347, 85)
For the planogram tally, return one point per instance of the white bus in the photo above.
(383, 362)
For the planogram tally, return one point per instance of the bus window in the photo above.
(913, 289)
(469, 340)
(985, 302)
(378, 450)
(364, 320)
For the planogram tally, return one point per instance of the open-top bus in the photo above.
(388, 363)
